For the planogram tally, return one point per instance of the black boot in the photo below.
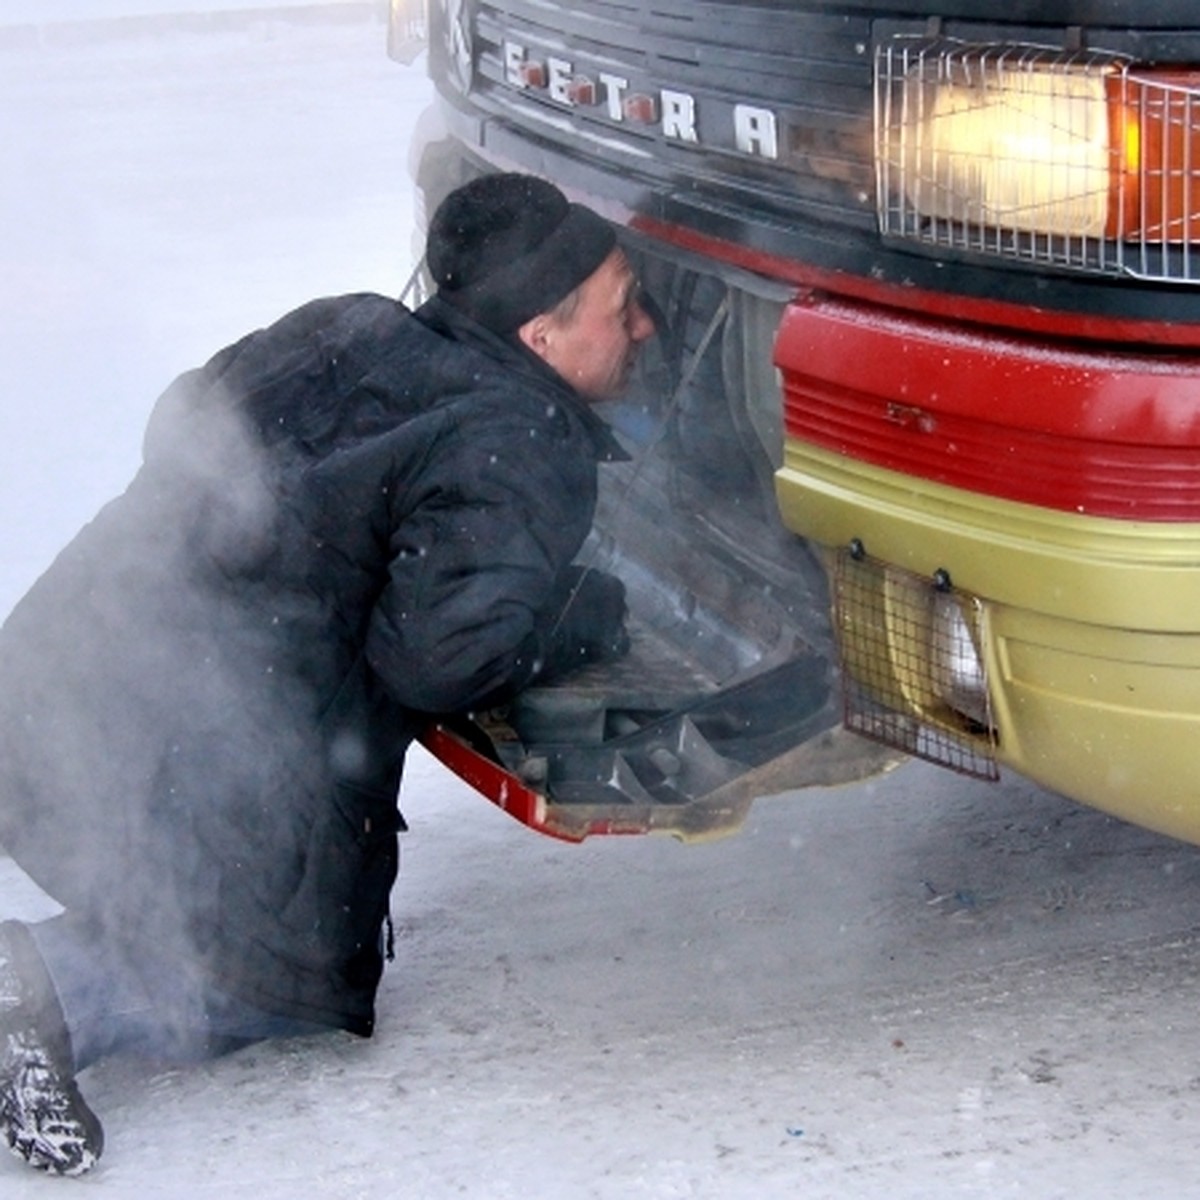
(44, 1119)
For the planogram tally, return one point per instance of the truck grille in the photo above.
(764, 108)
(781, 127)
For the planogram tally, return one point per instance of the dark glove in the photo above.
(587, 622)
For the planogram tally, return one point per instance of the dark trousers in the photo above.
(150, 1009)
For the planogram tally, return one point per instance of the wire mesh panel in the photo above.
(1164, 215)
(913, 665)
(1071, 159)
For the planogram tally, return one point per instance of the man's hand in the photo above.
(589, 622)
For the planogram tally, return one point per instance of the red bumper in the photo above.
(1114, 435)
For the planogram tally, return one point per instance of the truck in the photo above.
(915, 461)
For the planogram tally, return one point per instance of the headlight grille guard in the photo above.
(889, 640)
(1149, 171)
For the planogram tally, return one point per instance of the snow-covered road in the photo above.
(921, 987)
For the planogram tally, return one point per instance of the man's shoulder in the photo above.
(349, 313)
(325, 345)
(296, 372)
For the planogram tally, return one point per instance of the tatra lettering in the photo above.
(754, 131)
(514, 56)
(614, 93)
(679, 116)
(560, 79)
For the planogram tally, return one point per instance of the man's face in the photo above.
(594, 344)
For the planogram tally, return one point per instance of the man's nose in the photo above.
(642, 323)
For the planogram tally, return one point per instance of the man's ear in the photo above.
(535, 334)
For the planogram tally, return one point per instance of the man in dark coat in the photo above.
(346, 520)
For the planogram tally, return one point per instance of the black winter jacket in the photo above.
(345, 519)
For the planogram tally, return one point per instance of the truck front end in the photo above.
(930, 275)
(1005, 464)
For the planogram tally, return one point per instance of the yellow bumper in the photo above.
(1090, 628)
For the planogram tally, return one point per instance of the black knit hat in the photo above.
(504, 248)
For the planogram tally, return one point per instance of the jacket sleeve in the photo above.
(477, 557)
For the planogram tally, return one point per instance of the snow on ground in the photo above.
(919, 987)
(59, 12)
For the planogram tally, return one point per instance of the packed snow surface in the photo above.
(918, 987)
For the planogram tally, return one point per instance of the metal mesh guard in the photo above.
(892, 642)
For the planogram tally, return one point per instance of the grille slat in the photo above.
(1110, 480)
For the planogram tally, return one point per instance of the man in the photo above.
(353, 517)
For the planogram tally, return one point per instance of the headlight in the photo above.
(1070, 158)
(1025, 150)
(914, 673)
(408, 29)
(956, 670)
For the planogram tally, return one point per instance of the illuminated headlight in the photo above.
(1026, 150)
(1035, 152)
